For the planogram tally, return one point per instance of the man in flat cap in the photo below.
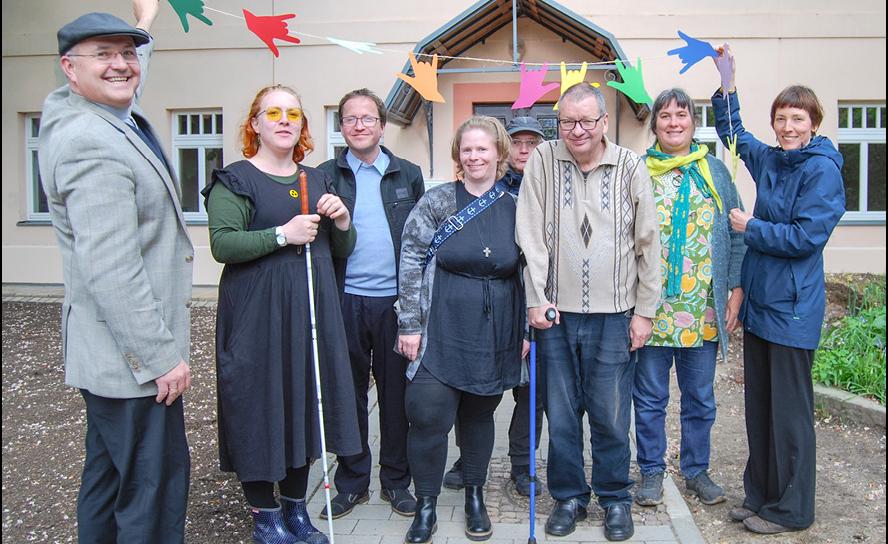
(127, 264)
(526, 133)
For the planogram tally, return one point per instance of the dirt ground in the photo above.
(44, 425)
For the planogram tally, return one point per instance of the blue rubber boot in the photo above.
(269, 527)
(299, 522)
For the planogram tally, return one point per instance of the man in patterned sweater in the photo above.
(588, 227)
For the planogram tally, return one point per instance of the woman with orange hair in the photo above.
(267, 407)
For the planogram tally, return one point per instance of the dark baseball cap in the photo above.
(525, 124)
(96, 24)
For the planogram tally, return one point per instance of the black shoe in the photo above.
(454, 477)
(344, 503)
(425, 521)
(618, 521)
(521, 476)
(650, 492)
(401, 500)
(564, 517)
(706, 490)
(477, 520)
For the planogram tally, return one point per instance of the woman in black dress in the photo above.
(461, 322)
(268, 421)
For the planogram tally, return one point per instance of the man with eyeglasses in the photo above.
(379, 190)
(526, 133)
(127, 261)
(587, 225)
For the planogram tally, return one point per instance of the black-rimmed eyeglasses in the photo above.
(568, 125)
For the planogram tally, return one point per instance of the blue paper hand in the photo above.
(695, 51)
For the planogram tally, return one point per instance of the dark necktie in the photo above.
(149, 140)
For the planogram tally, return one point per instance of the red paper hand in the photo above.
(270, 28)
(532, 88)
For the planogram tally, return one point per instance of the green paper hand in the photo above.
(632, 84)
(189, 7)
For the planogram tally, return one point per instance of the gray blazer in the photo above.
(125, 249)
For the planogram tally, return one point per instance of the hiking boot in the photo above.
(765, 527)
(401, 500)
(706, 490)
(740, 513)
(521, 476)
(650, 492)
(454, 477)
(344, 503)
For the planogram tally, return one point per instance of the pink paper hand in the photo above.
(269, 28)
(425, 81)
(532, 88)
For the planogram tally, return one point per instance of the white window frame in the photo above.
(201, 142)
(864, 137)
(706, 132)
(33, 185)
(334, 137)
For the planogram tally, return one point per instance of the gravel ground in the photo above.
(44, 425)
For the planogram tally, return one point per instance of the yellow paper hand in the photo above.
(425, 81)
(735, 158)
(569, 78)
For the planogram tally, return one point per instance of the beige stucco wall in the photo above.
(839, 50)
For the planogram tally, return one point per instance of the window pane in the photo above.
(40, 204)
(218, 123)
(871, 117)
(711, 144)
(212, 161)
(207, 124)
(857, 118)
(337, 149)
(710, 117)
(195, 124)
(183, 124)
(882, 123)
(875, 197)
(35, 127)
(851, 175)
(188, 179)
(843, 117)
(698, 116)
(336, 127)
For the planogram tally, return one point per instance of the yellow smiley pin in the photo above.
(293, 193)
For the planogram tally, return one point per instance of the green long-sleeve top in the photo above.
(229, 218)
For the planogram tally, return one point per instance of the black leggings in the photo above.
(432, 408)
(261, 494)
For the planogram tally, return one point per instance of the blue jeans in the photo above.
(588, 369)
(695, 369)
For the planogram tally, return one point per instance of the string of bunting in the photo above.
(424, 80)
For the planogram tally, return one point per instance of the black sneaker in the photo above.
(521, 476)
(401, 500)
(650, 492)
(706, 490)
(454, 477)
(344, 503)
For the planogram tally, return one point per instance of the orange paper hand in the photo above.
(569, 78)
(425, 81)
(270, 28)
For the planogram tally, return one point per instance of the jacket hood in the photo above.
(819, 145)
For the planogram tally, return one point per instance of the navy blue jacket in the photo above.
(800, 199)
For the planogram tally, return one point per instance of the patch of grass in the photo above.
(852, 353)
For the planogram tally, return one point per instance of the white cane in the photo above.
(303, 188)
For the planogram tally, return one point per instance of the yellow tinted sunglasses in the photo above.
(275, 113)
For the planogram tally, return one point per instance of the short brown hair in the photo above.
(366, 93)
(495, 129)
(799, 96)
(250, 139)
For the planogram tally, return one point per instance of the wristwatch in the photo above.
(280, 236)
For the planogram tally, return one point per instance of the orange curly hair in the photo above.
(250, 139)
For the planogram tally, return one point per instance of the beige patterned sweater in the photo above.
(591, 242)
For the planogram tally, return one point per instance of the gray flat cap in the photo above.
(96, 24)
(525, 124)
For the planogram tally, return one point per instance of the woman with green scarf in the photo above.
(700, 263)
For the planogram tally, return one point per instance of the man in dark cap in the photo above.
(526, 133)
(127, 264)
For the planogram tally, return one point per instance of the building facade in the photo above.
(201, 84)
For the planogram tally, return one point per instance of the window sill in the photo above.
(34, 223)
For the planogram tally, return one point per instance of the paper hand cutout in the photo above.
(735, 158)
(270, 28)
(425, 81)
(569, 78)
(358, 47)
(724, 62)
(695, 51)
(532, 88)
(194, 8)
(632, 84)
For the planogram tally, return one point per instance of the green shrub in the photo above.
(852, 354)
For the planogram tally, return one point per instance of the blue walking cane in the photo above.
(550, 315)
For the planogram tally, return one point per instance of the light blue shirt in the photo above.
(371, 270)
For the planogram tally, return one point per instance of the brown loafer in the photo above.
(765, 527)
